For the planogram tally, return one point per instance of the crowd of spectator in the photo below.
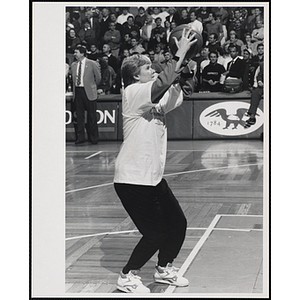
(111, 34)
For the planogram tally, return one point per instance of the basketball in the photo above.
(177, 32)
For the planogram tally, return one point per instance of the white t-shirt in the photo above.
(197, 25)
(123, 18)
(142, 155)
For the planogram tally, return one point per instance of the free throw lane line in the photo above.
(88, 157)
(195, 251)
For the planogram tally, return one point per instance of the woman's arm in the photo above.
(173, 69)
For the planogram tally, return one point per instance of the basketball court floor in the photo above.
(220, 186)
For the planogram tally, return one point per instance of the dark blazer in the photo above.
(91, 78)
(176, 18)
(237, 69)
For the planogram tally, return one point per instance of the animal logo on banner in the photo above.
(228, 118)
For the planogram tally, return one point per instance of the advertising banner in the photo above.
(107, 120)
(225, 119)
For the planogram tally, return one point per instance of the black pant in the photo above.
(255, 99)
(82, 104)
(158, 216)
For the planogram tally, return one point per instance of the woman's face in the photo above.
(184, 13)
(146, 74)
(72, 33)
(173, 25)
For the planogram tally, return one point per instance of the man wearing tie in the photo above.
(86, 76)
(236, 67)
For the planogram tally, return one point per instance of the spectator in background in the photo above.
(113, 38)
(213, 43)
(250, 21)
(118, 82)
(203, 13)
(195, 23)
(136, 47)
(103, 25)
(237, 16)
(258, 14)
(85, 76)
(113, 18)
(214, 26)
(223, 59)
(126, 43)
(168, 57)
(232, 40)
(173, 16)
(258, 32)
(222, 17)
(146, 32)
(92, 16)
(140, 19)
(239, 29)
(129, 27)
(87, 34)
(204, 58)
(155, 65)
(71, 43)
(155, 13)
(212, 73)
(236, 67)
(112, 60)
(108, 76)
(67, 71)
(94, 54)
(259, 58)
(173, 25)
(252, 47)
(82, 12)
(159, 52)
(158, 34)
(168, 30)
(163, 15)
(256, 95)
(125, 53)
(68, 27)
(248, 78)
(123, 17)
(75, 21)
(184, 17)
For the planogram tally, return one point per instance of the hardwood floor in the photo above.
(209, 178)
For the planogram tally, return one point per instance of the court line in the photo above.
(171, 150)
(90, 187)
(135, 230)
(224, 215)
(88, 157)
(194, 252)
(212, 169)
(79, 151)
(99, 234)
(200, 243)
(166, 175)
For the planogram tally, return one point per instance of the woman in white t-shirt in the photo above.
(145, 195)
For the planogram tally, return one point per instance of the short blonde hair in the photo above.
(131, 67)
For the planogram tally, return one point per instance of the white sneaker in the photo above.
(169, 275)
(131, 283)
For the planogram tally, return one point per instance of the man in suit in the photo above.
(86, 76)
(236, 67)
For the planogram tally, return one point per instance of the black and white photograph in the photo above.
(157, 118)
